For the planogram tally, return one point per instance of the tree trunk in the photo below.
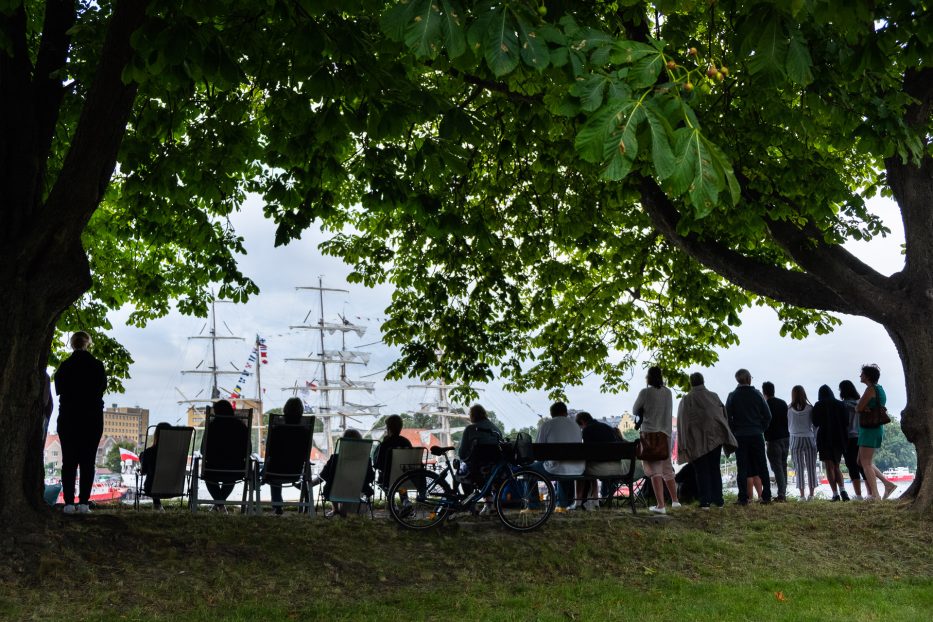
(913, 337)
(35, 292)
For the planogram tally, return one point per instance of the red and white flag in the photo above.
(126, 454)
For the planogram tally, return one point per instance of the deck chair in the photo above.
(224, 458)
(402, 460)
(349, 477)
(288, 447)
(170, 473)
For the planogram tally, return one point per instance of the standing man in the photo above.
(777, 438)
(80, 383)
(559, 429)
(703, 433)
(749, 416)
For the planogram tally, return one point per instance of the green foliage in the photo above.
(896, 450)
(112, 459)
(491, 161)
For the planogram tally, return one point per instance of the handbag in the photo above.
(874, 417)
(652, 446)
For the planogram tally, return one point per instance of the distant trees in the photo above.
(896, 450)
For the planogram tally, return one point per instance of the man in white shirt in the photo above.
(560, 429)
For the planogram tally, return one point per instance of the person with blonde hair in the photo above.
(80, 383)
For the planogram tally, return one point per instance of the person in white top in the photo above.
(802, 440)
(655, 407)
(560, 429)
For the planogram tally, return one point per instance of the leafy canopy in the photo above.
(493, 161)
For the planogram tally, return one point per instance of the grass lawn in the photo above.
(795, 561)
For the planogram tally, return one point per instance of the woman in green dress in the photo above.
(870, 439)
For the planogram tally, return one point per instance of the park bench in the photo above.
(622, 453)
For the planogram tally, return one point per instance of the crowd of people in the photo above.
(761, 428)
(758, 427)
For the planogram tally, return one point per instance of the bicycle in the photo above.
(523, 498)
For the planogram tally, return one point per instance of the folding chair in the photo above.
(352, 466)
(288, 447)
(224, 458)
(402, 460)
(168, 469)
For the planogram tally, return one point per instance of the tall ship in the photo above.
(341, 399)
(219, 377)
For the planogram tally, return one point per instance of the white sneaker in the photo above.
(591, 505)
(675, 504)
(656, 510)
(84, 508)
(573, 506)
(69, 509)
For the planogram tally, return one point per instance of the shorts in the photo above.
(659, 468)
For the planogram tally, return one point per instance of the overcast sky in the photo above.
(162, 349)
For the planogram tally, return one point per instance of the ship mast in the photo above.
(342, 357)
(441, 408)
(211, 369)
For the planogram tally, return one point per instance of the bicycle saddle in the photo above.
(440, 451)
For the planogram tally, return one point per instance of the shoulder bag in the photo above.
(652, 446)
(874, 417)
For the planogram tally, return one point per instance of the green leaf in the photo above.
(501, 44)
(770, 51)
(423, 33)
(452, 28)
(395, 20)
(590, 90)
(798, 60)
(534, 50)
(601, 129)
(626, 52)
(661, 153)
(645, 72)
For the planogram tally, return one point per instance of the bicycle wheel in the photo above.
(420, 499)
(525, 500)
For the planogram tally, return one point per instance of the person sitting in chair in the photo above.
(222, 447)
(291, 413)
(330, 468)
(147, 467)
(392, 440)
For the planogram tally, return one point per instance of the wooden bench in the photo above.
(622, 453)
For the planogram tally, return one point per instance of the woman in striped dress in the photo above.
(802, 440)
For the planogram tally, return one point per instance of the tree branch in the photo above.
(795, 288)
(91, 158)
(47, 87)
(15, 134)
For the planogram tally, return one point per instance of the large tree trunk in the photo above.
(35, 294)
(913, 338)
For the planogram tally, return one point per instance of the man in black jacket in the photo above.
(777, 439)
(80, 383)
(749, 416)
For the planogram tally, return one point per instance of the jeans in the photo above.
(750, 461)
(79, 450)
(777, 458)
(709, 478)
(560, 489)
